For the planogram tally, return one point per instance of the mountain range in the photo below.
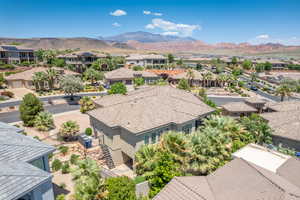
(143, 41)
(146, 37)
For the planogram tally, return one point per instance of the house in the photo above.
(284, 119)
(15, 54)
(123, 123)
(24, 79)
(246, 108)
(198, 78)
(126, 76)
(81, 59)
(24, 167)
(151, 60)
(257, 174)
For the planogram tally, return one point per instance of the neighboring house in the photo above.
(15, 54)
(197, 79)
(123, 123)
(284, 119)
(258, 174)
(126, 76)
(82, 59)
(24, 79)
(24, 167)
(246, 108)
(151, 60)
(166, 74)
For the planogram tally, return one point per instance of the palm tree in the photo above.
(253, 77)
(39, 79)
(145, 159)
(52, 75)
(283, 90)
(190, 76)
(86, 104)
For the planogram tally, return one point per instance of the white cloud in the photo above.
(150, 26)
(116, 24)
(147, 12)
(157, 14)
(170, 33)
(118, 13)
(167, 26)
(264, 36)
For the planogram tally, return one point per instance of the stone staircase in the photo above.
(107, 157)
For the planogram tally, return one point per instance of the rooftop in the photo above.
(18, 147)
(234, 180)
(238, 107)
(83, 54)
(27, 75)
(284, 106)
(262, 157)
(125, 73)
(169, 72)
(18, 178)
(148, 108)
(14, 48)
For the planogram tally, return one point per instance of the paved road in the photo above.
(45, 99)
(14, 116)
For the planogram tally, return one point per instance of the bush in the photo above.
(86, 104)
(8, 94)
(7, 66)
(88, 131)
(37, 138)
(65, 169)
(56, 165)
(29, 108)
(120, 188)
(50, 156)
(61, 197)
(183, 84)
(118, 88)
(139, 81)
(62, 185)
(44, 121)
(68, 130)
(100, 88)
(63, 149)
(74, 159)
(138, 68)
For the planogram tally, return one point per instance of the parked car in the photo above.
(253, 88)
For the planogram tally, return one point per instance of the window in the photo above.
(39, 163)
(187, 128)
(146, 139)
(153, 137)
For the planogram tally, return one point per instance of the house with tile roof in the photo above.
(127, 76)
(25, 79)
(10, 54)
(24, 166)
(81, 59)
(146, 60)
(124, 123)
(248, 176)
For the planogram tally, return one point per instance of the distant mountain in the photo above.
(63, 43)
(145, 37)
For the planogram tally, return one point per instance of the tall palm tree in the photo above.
(190, 76)
(145, 159)
(39, 79)
(283, 90)
(52, 75)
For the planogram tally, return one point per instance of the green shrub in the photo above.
(68, 130)
(44, 121)
(117, 88)
(88, 131)
(56, 165)
(62, 185)
(50, 156)
(74, 158)
(29, 108)
(65, 169)
(63, 149)
(61, 197)
(120, 188)
(37, 138)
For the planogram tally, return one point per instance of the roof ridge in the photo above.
(272, 182)
(27, 145)
(177, 178)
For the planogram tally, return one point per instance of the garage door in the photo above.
(17, 84)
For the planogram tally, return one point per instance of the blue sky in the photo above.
(212, 21)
